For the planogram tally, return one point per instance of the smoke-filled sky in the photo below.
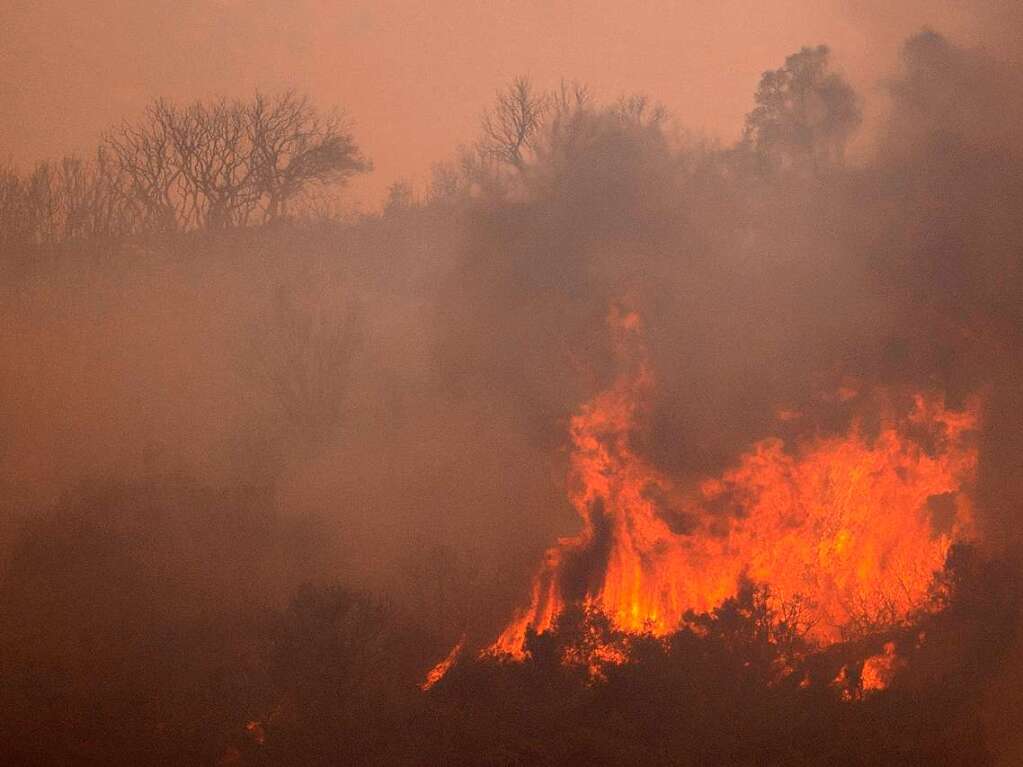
(415, 74)
(196, 420)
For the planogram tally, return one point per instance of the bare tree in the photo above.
(481, 170)
(514, 134)
(42, 204)
(295, 149)
(73, 199)
(510, 127)
(144, 153)
(218, 164)
(639, 110)
(447, 183)
(206, 165)
(213, 160)
(569, 106)
(110, 213)
(14, 225)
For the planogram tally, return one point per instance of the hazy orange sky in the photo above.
(415, 74)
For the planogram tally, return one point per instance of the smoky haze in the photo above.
(414, 74)
(197, 422)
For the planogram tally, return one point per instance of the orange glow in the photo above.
(256, 731)
(850, 529)
(879, 669)
(437, 673)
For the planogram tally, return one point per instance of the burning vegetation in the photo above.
(845, 534)
(277, 482)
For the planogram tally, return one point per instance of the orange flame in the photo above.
(879, 669)
(437, 673)
(848, 528)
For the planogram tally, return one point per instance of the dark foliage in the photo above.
(723, 691)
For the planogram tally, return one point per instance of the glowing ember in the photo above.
(256, 731)
(878, 670)
(848, 528)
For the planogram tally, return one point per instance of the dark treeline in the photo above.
(221, 401)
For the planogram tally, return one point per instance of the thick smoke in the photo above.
(203, 423)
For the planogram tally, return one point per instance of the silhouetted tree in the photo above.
(216, 164)
(14, 228)
(510, 126)
(294, 149)
(805, 113)
(447, 184)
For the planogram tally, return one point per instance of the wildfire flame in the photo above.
(849, 528)
(879, 669)
(437, 673)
